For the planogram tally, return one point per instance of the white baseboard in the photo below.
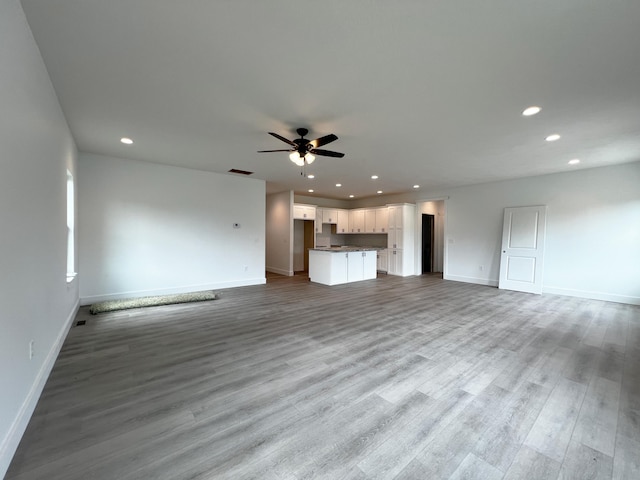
(607, 297)
(479, 281)
(89, 299)
(280, 271)
(12, 440)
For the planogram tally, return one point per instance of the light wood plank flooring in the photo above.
(394, 378)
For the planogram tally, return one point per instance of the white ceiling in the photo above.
(418, 91)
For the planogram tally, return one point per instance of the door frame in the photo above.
(418, 233)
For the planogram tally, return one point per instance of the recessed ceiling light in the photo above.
(351, 196)
(126, 141)
(416, 186)
(531, 111)
(553, 137)
(338, 184)
(374, 177)
(311, 176)
(379, 191)
(575, 161)
(310, 190)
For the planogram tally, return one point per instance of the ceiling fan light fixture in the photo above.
(295, 158)
(309, 158)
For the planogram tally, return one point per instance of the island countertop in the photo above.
(347, 249)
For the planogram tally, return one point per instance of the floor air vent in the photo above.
(240, 172)
(80, 322)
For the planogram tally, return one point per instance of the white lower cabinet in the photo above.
(361, 265)
(382, 260)
(395, 262)
(335, 267)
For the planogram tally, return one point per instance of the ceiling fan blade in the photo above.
(326, 153)
(318, 142)
(280, 137)
(267, 151)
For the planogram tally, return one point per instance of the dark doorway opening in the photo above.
(427, 242)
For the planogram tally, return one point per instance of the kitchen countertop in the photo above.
(347, 249)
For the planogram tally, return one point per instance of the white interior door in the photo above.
(522, 258)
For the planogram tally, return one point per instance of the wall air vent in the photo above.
(240, 172)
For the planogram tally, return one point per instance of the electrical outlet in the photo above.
(481, 268)
(31, 343)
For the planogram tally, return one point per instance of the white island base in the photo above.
(334, 266)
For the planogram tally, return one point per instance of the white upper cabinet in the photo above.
(330, 215)
(304, 212)
(382, 220)
(342, 221)
(319, 214)
(376, 220)
(356, 221)
(370, 220)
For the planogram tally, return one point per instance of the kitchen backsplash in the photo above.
(327, 238)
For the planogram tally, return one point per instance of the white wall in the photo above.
(36, 301)
(593, 231)
(148, 229)
(280, 233)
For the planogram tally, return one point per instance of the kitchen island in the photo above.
(338, 265)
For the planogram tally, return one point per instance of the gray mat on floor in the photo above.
(113, 305)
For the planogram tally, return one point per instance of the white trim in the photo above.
(478, 281)
(16, 430)
(88, 300)
(280, 271)
(607, 297)
(433, 199)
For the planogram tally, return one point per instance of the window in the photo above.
(71, 263)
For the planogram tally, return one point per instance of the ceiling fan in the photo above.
(303, 151)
